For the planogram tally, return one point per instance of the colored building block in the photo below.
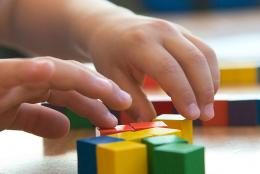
(168, 5)
(176, 121)
(164, 107)
(242, 112)
(86, 150)
(122, 158)
(137, 136)
(258, 111)
(147, 125)
(258, 71)
(239, 75)
(179, 158)
(125, 119)
(117, 129)
(153, 142)
(226, 4)
(77, 122)
(196, 123)
(221, 114)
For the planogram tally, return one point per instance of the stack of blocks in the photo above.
(159, 147)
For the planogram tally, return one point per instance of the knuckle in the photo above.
(210, 53)
(163, 25)
(137, 36)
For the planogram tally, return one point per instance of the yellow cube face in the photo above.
(239, 75)
(137, 136)
(122, 158)
(176, 121)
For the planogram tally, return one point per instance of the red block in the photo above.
(221, 114)
(125, 119)
(147, 125)
(117, 129)
(164, 107)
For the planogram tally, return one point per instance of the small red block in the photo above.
(147, 125)
(117, 129)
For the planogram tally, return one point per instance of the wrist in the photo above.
(87, 25)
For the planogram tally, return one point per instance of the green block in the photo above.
(153, 142)
(179, 159)
(77, 122)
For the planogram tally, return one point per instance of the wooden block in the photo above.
(164, 107)
(221, 114)
(196, 123)
(153, 142)
(179, 158)
(242, 113)
(176, 121)
(147, 125)
(122, 158)
(86, 150)
(117, 129)
(239, 75)
(125, 119)
(137, 136)
(76, 121)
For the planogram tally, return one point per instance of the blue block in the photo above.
(168, 5)
(86, 150)
(226, 4)
(242, 113)
(196, 122)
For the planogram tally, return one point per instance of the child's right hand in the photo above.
(25, 82)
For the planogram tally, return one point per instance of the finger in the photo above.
(63, 75)
(17, 71)
(87, 83)
(196, 68)
(41, 121)
(141, 108)
(210, 57)
(96, 112)
(160, 65)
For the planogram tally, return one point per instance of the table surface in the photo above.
(228, 149)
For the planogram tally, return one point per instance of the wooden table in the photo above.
(228, 150)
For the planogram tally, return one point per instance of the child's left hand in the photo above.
(125, 49)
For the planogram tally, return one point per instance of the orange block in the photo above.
(221, 114)
(147, 125)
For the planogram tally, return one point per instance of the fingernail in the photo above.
(125, 97)
(193, 111)
(209, 111)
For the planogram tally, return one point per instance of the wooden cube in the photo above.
(147, 125)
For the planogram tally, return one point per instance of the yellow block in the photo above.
(239, 76)
(139, 135)
(122, 158)
(176, 121)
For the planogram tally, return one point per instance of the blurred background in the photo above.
(231, 27)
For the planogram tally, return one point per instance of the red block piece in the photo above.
(147, 125)
(125, 119)
(164, 107)
(221, 114)
(117, 129)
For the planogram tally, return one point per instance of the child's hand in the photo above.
(66, 83)
(126, 48)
